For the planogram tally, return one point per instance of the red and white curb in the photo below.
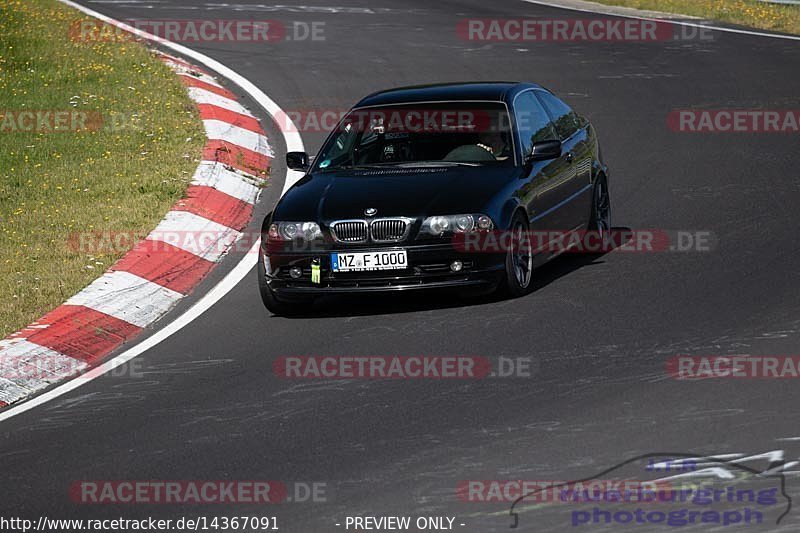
(161, 269)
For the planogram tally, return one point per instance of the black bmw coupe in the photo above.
(435, 186)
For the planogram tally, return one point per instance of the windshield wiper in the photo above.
(407, 164)
(429, 164)
(349, 167)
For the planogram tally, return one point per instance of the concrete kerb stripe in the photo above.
(125, 297)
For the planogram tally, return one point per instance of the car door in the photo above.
(575, 192)
(543, 191)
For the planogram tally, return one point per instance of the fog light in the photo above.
(296, 272)
(456, 266)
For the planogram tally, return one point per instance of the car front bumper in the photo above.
(428, 268)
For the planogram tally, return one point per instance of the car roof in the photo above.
(498, 91)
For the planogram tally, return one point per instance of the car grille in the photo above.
(389, 229)
(379, 230)
(349, 231)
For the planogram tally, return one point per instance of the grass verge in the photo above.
(126, 152)
(762, 15)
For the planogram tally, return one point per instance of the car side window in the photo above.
(565, 119)
(532, 122)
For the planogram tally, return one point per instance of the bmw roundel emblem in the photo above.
(370, 211)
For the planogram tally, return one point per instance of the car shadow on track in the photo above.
(416, 301)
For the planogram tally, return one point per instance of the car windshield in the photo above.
(421, 135)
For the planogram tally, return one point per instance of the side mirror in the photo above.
(544, 150)
(297, 161)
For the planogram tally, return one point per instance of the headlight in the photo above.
(464, 223)
(440, 225)
(437, 225)
(289, 231)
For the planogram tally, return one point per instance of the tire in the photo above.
(518, 276)
(600, 219)
(272, 303)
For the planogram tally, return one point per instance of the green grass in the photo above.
(783, 18)
(122, 177)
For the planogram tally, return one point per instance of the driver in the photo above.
(491, 146)
(492, 141)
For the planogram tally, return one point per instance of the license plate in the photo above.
(359, 261)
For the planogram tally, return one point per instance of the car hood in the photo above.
(415, 192)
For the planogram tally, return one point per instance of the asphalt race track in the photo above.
(205, 404)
